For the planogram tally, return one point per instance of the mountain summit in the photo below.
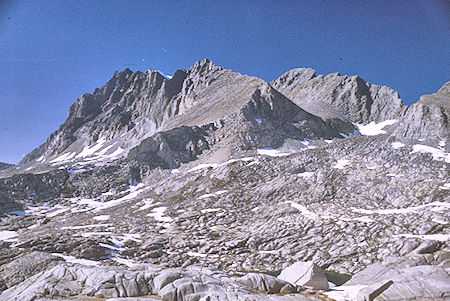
(221, 106)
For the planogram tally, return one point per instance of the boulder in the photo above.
(305, 274)
(266, 283)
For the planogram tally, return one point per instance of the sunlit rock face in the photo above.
(429, 118)
(213, 185)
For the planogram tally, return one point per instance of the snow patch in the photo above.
(437, 154)
(164, 75)
(101, 217)
(8, 236)
(202, 166)
(158, 214)
(271, 152)
(212, 194)
(446, 186)
(373, 128)
(57, 212)
(72, 171)
(89, 150)
(195, 254)
(341, 164)
(306, 174)
(63, 157)
(115, 248)
(436, 207)
(397, 145)
(438, 237)
(97, 206)
(345, 292)
(303, 210)
(350, 135)
(442, 222)
(147, 204)
(72, 259)
(128, 262)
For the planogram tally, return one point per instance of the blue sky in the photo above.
(52, 51)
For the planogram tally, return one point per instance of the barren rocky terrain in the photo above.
(213, 185)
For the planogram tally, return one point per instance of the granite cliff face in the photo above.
(213, 185)
(336, 97)
(428, 118)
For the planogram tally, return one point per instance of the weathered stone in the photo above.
(266, 283)
(372, 291)
(305, 274)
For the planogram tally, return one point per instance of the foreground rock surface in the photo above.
(75, 281)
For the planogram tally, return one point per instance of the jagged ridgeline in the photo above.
(173, 120)
(213, 185)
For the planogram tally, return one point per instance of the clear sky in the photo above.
(52, 51)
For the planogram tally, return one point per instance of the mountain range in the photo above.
(207, 184)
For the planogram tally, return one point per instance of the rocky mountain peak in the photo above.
(428, 118)
(338, 97)
(204, 66)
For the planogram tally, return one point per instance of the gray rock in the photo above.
(428, 246)
(5, 165)
(266, 283)
(305, 274)
(336, 97)
(370, 292)
(26, 266)
(428, 118)
(409, 282)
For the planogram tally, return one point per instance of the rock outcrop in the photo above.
(340, 98)
(305, 274)
(404, 280)
(429, 118)
(5, 165)
(66, 280)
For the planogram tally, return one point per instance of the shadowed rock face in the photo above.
(115, 109)
(429, 117)
(5, 165)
